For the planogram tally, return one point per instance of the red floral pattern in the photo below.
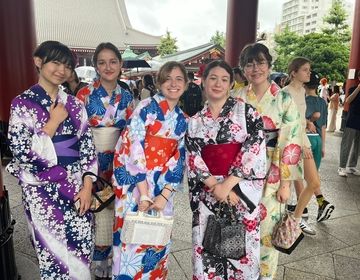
(291, 154)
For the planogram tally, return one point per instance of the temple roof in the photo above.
(190, 54)
(86, 23)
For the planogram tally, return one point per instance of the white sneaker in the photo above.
(353, 171)
(306, 228)
(342, 172)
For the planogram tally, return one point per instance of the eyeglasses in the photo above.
(251, 65)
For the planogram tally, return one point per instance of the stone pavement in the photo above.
(333, 253)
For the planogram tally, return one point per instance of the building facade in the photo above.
(307, 16)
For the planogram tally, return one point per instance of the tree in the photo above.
(329, 50)
(167, 45)
(336, 20)
(286, 45)
(218, 38)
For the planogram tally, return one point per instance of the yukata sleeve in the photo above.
(250, 162)
(87, 151)
(129, 157)
(196, 166)
(290, 140)
(34, 154)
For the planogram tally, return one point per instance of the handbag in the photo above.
(102, 193)
(146, 229)
(287, 234)
(225, 235)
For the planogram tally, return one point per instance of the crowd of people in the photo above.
(242, 139)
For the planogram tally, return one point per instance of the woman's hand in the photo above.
(159, 203)
(233, 198)
(58, 112)
(84, 196)
(311, 127)
(283, 193)
(144, 205)
(221, 192)
(307, 153)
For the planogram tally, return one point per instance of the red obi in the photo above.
(158, 150)
(219, 157)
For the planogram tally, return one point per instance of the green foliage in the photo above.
(286, 46)
(218, 38)
(329, 50)
(167, 45)
(336, 19)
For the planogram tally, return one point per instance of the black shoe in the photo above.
(325, 211)
(291, 208)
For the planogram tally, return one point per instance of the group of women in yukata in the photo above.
(56, 138)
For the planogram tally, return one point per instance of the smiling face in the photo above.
(257, 72)
(302, 74)
(52, 73)
(174, 85)
(217, 84)
(108, 65)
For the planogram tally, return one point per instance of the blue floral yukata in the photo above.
(135, 162)
(49, 172)
(107, 118)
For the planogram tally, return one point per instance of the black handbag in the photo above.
(102, 193)
(225, 235)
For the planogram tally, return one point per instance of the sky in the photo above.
(193, 22)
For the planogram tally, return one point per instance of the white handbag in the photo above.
(146, 229)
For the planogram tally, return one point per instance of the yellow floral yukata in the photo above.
(284, 162)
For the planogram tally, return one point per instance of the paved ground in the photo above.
(333, 253)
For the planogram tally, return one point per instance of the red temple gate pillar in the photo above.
(17, 71)
(240, 28)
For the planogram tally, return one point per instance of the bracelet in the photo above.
(164, 196)
(145, 198)
(166, 188)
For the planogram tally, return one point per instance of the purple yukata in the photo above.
(49, 172)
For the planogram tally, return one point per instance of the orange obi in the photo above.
(158, 150)
(219, 157)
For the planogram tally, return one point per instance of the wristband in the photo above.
(164, 197)
(145, 198)
(166, 188)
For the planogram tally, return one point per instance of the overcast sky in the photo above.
(193, 22)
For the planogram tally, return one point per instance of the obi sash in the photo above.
(158, 150)
(271, 137)
(105, 138)
(219, 157)
(67, 149)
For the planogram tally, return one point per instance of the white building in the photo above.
(306, 16)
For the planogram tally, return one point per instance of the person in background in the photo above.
(149, 88)
(323, 90)
(350, 142)
(73, 84)
(191, 100)
(333, 108)
(313, 148)
(52, 148)
(109, 106)
(234, 130)
(282, 126)
(239, 79)
(146, 179)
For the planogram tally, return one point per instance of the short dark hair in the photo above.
(314, 80)
(167, 68)
(148, 80)
(255, 52)
(55, 51)
(219, 63)
(105, 46)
